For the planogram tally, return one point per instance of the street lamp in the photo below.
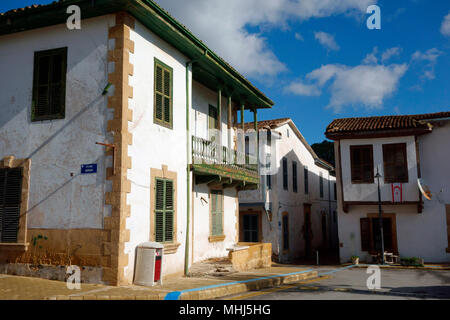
(380, 219)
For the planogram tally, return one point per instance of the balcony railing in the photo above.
(209, 152)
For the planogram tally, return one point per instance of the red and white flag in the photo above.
(397, 192)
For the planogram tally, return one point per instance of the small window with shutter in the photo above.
(216, 205)
(49, 85)
(163, 94)
(285, 174)
(294, 176)
(361, 161)
(164, 210)
(395, 163)
(10, 200)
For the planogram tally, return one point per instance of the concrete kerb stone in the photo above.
(237, 288)
(205, 293)
(434, 268)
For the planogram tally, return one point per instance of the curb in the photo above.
(437, 268)
(209, 292)
(255, 285)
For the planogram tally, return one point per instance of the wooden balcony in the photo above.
(213, 163)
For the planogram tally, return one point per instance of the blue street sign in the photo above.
(88, 168)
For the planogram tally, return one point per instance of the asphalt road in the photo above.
(351, 284)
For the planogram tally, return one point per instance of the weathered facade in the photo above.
(295, 205)
(135, 96)
(402, 149)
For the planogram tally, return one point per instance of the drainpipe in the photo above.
(188, 167)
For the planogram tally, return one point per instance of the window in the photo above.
(371, 237)
(361, 159)
(216, 205)
(10, 199)
(285, 232)
(335, 191)
(268, 176)
(163, 94)
(285, 174)
(213, 123)
(395, 163)
(269, 138)
(305, 173)
(294, 176)
(164, 210)
(250, 228)
(321, 184)
(49, 85)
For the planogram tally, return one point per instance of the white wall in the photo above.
(203, 249)
(368, 192)
(154, 145)
(202, 97)
(57, 148)
(421, 235)
(292, 202)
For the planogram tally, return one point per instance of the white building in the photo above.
(295, 206)
(402, 149)
(133, 95)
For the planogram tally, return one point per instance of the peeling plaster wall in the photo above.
(203, 249)
(58, 147)
(155, 145)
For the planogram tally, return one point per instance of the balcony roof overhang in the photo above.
(208, 69)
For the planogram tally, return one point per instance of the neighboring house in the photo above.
(295, 206)
(133, 95)
(401, 149)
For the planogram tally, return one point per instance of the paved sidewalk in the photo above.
(186, 288)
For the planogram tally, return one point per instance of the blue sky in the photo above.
(318, 61)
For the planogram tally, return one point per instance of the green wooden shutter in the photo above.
(163, 94)
(49, 84)
(169, 211)
(159, 97)
(164, 210)
(216, 212)
(366, 234)
(10, 199)
(159, 210)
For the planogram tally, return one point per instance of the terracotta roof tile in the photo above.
(348, 125)
(265, 124)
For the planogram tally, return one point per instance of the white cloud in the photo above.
(371, 58)
(327, 40)
(222, 25)
(389, 53)
(430, 57)
(362, 85)
(445, 27)
(298, 36)
(299, 88)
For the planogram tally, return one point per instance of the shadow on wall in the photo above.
(293, 203)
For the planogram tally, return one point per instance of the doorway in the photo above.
(250, 227)
(307, 230)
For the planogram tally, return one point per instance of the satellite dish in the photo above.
(424, 189)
